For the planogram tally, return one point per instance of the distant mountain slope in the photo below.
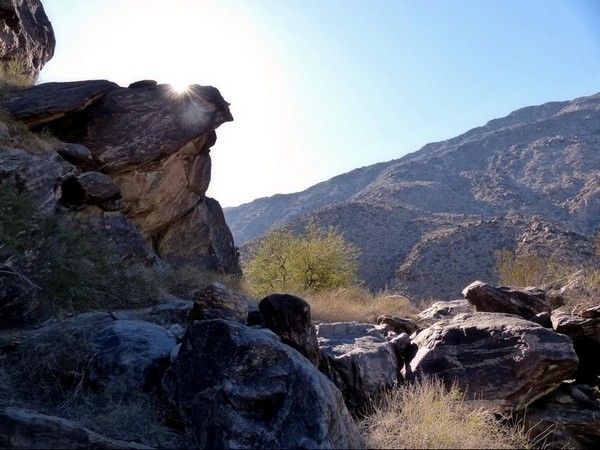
(430, 222)
(251, 220)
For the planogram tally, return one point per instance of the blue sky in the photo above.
(320, 87)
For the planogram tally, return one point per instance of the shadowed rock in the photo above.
(219, 302)
(585, 333)
(499, 359)
(289, 317)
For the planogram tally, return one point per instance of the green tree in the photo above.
(318, 259)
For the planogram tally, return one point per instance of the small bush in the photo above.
(426, 415)
(356, 304)
(317, 260)
(529, 270)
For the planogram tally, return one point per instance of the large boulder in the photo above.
(359, 360)
(26, 39)
(500, 359)
(585, 333)
(240, 387)
(501, 299)
(289, 317)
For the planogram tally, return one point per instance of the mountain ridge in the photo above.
(528, 182)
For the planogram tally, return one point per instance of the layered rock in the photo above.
(502, 299)
(499, 359)
(143, 150)
(26, 39)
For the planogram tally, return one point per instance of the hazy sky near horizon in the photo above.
(320, 87)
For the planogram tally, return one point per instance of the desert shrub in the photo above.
(583, 290)
(356, 304)
(529, 270)
(71, 272)
(426, 415)
(47, 372)
(317, 260)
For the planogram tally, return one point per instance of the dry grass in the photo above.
(425, 415)
(357, 304)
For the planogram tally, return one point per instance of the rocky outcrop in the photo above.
(359, 360)
(26, 39)
(122, 155)
(431, 222)
(498, 359)
(502, 299)
(238, 387)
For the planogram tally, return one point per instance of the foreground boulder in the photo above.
(217, 301)
(501, 299)
(27, 38)
(359, 360)
(239, 387)
(495, 358)
(445, 310)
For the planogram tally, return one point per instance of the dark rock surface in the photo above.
(217, 301)
(239, 387)
(47, 102)
(130, 355)
(289, 317)
(498, 359)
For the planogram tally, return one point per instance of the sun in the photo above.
(180, 88)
